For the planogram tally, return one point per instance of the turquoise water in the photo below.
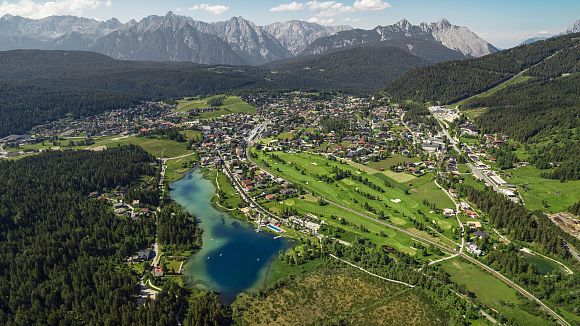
(234, 258)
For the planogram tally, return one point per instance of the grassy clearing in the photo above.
(231, 104)
(534, 189)
(157, 147)
(400, 208)
(492, 292)
(329, 296)
(491, 91)
(230, 198)
(393, 160)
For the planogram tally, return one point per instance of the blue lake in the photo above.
(234, 258)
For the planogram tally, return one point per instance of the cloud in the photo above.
(212, 9)
(327, 9)
(292, 6)
(321, 21)
(36, 10)
(371, 5)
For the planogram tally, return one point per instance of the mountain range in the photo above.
(574, 28)
(236, 41)
(451, 37)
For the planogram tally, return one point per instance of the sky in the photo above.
(504, 23)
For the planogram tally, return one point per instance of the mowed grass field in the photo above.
(400, 208)
(331, 296)
(424, 188)
(535, 189)
(492, 292)
(231, 104)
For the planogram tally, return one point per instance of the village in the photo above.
(347, 128)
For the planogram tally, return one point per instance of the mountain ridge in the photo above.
(214, 43)
(453, 37)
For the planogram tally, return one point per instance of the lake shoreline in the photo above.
(233, 258)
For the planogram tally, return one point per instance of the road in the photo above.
(447, 249)
(424, 239)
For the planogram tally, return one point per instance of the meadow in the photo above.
(231, 104)
(537, 191)
(493, 293)
(338, 296)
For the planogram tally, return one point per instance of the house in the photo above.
(157, 271)
(474, 225)
(481, 234)
(471, 213)
(473, 249)
(270, 197)
(448, 212)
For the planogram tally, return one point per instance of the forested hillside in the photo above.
(539, 104)
(38, 86)
(450, 82)
(61, 251)
(355, 69)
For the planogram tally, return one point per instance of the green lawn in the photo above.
(492, 292)
(400, 208)
(535, 189)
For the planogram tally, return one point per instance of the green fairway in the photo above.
(231, 104)
(424, 188)
(355, 225)
(492, 292)
(306, 169)
(398, 177)
(534, 189)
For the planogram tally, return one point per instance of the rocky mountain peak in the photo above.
(575, 28)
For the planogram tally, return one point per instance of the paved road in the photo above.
(453, 252)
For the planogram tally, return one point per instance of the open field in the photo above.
(492, 292)
(231, 104)
(231, 199)
(535, 189)
(393, 160)
(334, 296)
(304, 169)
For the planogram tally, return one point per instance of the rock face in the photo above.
(296, 35)
(452, 37)
(236, 41)
(18, 32)
(166, 41)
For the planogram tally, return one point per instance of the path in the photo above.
(372, 274)
(531, 252)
